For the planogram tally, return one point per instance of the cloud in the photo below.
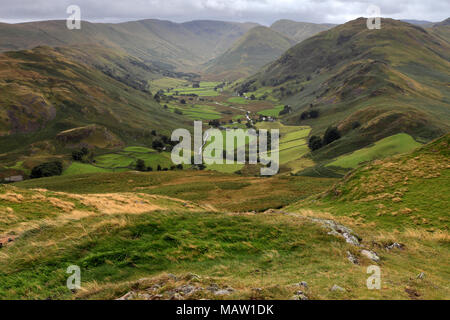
(262, 11)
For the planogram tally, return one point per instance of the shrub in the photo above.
(313, 114)
(157, 145)
(140, 165)
(356, 125)
(315, 143)
(332, 134)
(47, 169)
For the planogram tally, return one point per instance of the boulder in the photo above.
(371, 255)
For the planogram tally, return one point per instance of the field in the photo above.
(272, 112)
(81, 168)
(293, 145)
(196, 111)
(204, 187)
(238, 100)
(206, 89)
(164, 83)
(399, 143)
(127, 158)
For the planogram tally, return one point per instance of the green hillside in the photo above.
(255, 49)
(299, 31)
(399, 143)
(371, 84)
(52, 103)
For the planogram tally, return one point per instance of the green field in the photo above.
(238, 100)
(293, 144)
(82, 168)
(164, 83)
(399, 143)
(274, 112)
(206, 89)
(197, 111)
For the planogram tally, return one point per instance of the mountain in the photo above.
(255, 49)
(299, 31)
(441, 29)
(171, 45)
(52, 103)
(422, 23)
(371, 84)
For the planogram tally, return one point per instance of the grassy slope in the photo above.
(255, 49)
(401, 199)
(391, 80)
(45, 92)
(298, 31)
(399, 143)
(404, 191)
(244, 251)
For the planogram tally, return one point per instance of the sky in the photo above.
(262, 11)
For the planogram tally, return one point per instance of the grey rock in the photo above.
(299, 297)
(339, 230)
(193, 276)
(213, 288)
(222, 292)
(421, 276)
(337, 288)
(172, 276)
(128, 296)
(187, 289)
(395, 245)
(144, 296)
(176, 296)
(352, 258)
(371, 255)
(301, 284)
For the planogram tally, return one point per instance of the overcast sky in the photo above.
(262, 11)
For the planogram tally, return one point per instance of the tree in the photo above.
(356, 125)
(314, 114)
(77, 155)
(332, 134)
(287, 109)
(159, 168)
(315, 143)
(157, 145)
(149, 169)
(140, 165)
(47, 169)
(214, 123)
(182, 101)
